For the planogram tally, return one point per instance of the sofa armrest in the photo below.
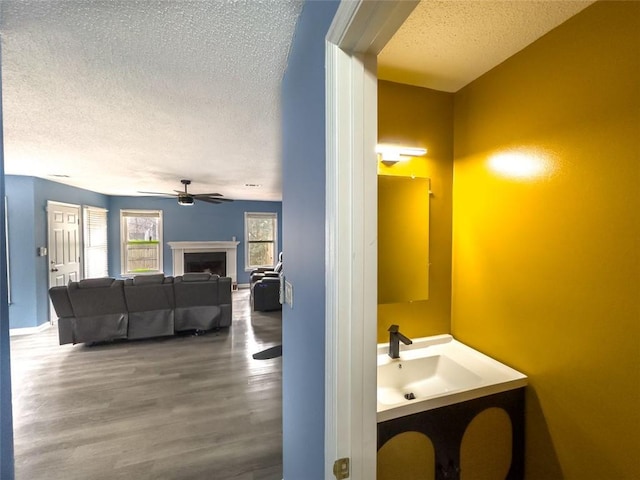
(224, 290)
(61, 302)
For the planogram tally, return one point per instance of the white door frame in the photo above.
(359, 31)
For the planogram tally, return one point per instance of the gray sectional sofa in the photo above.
(103, 309)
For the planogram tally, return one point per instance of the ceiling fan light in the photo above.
(185, 200)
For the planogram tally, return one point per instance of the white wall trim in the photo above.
(359, 31)
(62, 204)
(16, 332)
(337, 413)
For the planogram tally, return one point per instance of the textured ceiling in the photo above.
(445, 45)
(124, 96)
(135, 95)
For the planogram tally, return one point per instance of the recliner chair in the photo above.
(151, 303)
(203, 301)
(100, 310)
(260, 273)
(265, 288)
(265, 294)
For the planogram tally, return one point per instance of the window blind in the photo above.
(95, 242)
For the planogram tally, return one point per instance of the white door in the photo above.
(64, 244)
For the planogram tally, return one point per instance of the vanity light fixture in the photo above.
(390, 154)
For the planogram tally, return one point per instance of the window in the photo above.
(95, 242)
(260, 239)
(141, 233)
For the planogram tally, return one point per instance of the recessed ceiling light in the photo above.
(58, 175)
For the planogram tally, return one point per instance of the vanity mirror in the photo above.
(403, 239)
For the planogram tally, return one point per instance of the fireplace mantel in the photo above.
(231, 248)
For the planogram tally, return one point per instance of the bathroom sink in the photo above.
(420, 378)
(435, 372)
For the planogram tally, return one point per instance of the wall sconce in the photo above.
(390, 154)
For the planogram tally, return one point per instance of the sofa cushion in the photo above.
(149, 297)
(90, 301)
(193, 293)
(154, 279)
(196, 277)
(95, 282)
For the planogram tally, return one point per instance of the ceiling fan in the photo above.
(185, 198)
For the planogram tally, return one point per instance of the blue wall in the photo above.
(22, 248)
(303, 101)
(27, 201)
(27, 211)
(199, 222)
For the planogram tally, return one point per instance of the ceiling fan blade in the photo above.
(212, 196)
(208, 200)
(215, 198)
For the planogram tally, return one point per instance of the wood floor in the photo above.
(176, 408)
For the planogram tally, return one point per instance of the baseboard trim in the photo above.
(243, 285)
(16, 332)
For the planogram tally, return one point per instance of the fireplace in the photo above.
(211, 262)
(216, 257)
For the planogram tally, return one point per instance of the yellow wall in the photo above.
(545, 264)
(414, 116)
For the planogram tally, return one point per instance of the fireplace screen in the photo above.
(210, 262)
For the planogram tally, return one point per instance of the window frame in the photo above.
(87, 237)
(126, 212)
(251, 215)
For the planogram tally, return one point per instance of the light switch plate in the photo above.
(288, 293)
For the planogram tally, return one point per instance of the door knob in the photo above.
(54, 269)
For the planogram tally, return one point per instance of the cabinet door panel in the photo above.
(407, 456)
(486, 448)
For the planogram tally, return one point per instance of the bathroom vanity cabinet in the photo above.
(476, 439)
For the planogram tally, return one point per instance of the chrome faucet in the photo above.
(395, 337)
